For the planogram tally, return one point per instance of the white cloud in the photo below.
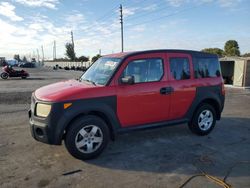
(177, 3)
(39, 3)
(129, 11)
(8, 10)
(139, 28)
(222, 3)
(25, 38)
(228, 3)
(74, 20)
(151, 7)
(15, 39)
(40, 30)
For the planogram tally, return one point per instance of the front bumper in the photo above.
(48, 130)
(39, 132)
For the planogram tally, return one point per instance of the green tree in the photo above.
(83, 59)
(231, 48)
(216, 51)
(24, 59)
(70, 52)
(17, 57)
(95, 58)
(246, 55)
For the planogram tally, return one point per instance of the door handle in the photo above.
(166, 90)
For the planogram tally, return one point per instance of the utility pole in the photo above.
(33, 54)
(38, 58)
(73, 44)
(121, 21)
(42, 53)
(100, 51)
(54, 50)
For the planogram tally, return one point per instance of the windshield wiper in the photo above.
(92, 82)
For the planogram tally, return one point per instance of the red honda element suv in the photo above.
(128, 91)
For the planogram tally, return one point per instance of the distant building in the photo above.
(236, 71)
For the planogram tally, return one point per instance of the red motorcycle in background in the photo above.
(8, 71)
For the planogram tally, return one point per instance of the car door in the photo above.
(183, 83)
(147, 100)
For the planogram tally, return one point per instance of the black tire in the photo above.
(194, 123)
(4, 75)
(73, 134)
(24, 77)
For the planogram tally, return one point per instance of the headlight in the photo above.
(43, 110)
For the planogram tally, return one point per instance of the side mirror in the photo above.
(128, 80)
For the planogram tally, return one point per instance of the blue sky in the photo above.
(26, 25)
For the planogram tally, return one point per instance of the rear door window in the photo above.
(180, 68)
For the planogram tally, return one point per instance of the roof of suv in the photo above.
(191, 52)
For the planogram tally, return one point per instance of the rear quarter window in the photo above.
(206, 67)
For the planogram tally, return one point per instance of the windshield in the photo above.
(101, 71)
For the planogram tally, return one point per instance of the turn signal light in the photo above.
(66, 105)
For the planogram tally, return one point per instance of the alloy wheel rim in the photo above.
(205, 120)
(89, 139)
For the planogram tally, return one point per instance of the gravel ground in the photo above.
(164, 157)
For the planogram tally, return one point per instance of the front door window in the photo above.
(145, 70)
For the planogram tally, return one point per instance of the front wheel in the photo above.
(4, 75)
(203, 120)
(87, 137)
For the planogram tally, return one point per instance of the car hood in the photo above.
(62, 91)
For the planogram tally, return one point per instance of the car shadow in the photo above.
(175, 149)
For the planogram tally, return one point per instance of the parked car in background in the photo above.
(27, 65)
(129, 91)
(12, 62)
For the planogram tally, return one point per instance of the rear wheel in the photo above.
(203, 120)
(87, 137)
(4, 75)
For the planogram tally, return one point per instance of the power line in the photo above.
(165, 16)
(159, 18)
(147, 21)
(135, 3)
(148, 13)
(101, 18)
(156, 19)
